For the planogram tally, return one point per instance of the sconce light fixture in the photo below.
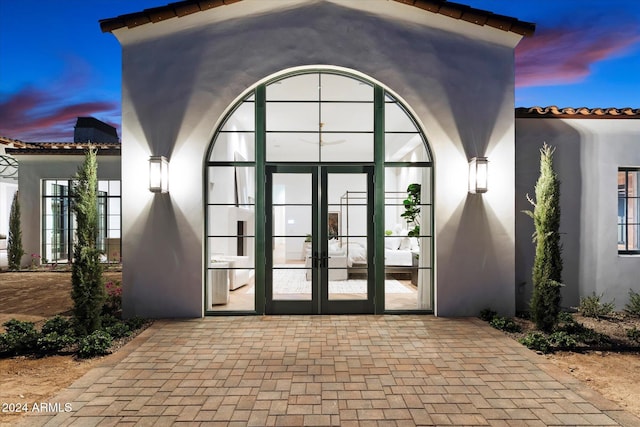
(478, 173)
(158, 174)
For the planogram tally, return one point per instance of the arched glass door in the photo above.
(308, 180)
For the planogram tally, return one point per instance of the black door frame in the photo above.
(319, 303)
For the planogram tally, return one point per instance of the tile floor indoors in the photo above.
(329, 370)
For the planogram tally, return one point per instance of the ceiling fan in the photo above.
(323, 143)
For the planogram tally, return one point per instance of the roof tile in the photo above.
(443, 7)
(553, 112)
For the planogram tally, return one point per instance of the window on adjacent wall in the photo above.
(58, 220)
(628, 211)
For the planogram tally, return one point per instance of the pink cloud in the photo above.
(565, 55)
(49, 114)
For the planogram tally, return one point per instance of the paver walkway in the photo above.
(331, 370)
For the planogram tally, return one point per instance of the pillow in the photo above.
(405, 244)
(392, 242)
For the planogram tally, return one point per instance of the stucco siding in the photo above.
(34, 169)
(177, 86)
(587, 157)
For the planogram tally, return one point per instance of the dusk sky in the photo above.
(56, 64)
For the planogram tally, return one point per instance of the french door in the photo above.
(319, 239)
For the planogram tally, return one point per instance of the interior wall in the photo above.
(176, 85)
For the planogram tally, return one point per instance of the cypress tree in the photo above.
(86, 275)
(547, 267)
(14, 242)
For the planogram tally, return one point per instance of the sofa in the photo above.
(241, 269)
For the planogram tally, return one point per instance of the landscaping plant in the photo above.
(547, 267)
(88, 291)
(633, 306)
(591, 306)
(14, 242)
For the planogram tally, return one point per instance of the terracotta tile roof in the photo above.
(442, 7)
(17, 147)
(553, 112)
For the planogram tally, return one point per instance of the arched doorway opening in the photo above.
(319, 199)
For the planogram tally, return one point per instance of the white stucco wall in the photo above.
(35, 168)
(587, 157)
(180, 75)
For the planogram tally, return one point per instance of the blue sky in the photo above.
(58, 65)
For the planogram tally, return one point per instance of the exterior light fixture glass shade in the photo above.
(158, 174)
(478, 175)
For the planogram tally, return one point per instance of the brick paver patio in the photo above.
(331, 370)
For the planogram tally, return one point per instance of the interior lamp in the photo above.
(478, 175)
(158, 174)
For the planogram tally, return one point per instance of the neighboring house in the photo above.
(598, 163)
(44, 177)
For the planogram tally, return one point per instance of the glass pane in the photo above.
(632, 183)
(633, 235)
(302, 87)
(347, 147)
(234, 147)
(405, 147)
(348, 219)
(289, 188)
(231, 185)
(292, 225)
(341, 88)
(293, 116)
(346, 116)
(114, 188)
(292, 147)
(397, 120)
(242, 119)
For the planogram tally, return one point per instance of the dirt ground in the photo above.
(36, 296)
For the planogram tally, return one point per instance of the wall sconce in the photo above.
(478, 174)
(158, 174)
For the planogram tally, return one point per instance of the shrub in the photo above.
(545, 305)
(505, 324)
(487, 314)
(562, 339)
(565, 317)
(87, 291)
(135, 322)
(57, 324)
(591, 306)
(53, 342)
(633, 306)
(20, 337)
(113, 301)
(536, 341)
(95, 344)
(14, 243)
(634, 334)
(118, 330)
(547, 266)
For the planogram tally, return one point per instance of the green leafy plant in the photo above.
(487, 314)
(118, 330)
(591, 306)
(547, 267)
(96, 343)
(412, 209)
(633, 306)
(135, 322)
(536, 341)
(14, 242)
(505, 324)
(88, 291)
(53, 342)
(19, 338)
(562, 339)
